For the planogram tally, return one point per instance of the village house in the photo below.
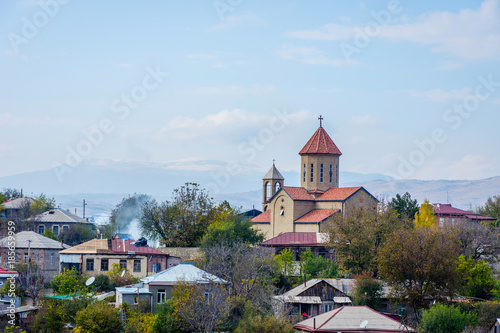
(58, 220)
(448, 216)
(299, 242)
(159, 286)
(97, 256)
(16, 208)
(31, 246)
(319, 197)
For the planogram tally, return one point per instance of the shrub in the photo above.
(98, 318)
(445, 319)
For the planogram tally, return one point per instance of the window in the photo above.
(268, 190)
(55, 229)
(104, 264)
(123, 264)
(136, 300)
(137, 265)
(41, 229)
(65, 228)
(52, 259)
(327, 307)
(441, 222)
(312, 172)
(337, 174)
(282, 211)
(25, 257)
(321, 173)
(304, 173)
(156, 267)
(453, 222)
(161, 296)
(331, 172)
(90, 264)
(277, 187)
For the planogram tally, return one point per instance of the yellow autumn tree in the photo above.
(426, 216)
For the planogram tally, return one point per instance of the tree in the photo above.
(50, 318)
(315, 266)
(30, 279)
(68, 282)
(419, 263)
(182, 222)
(445, 319)
(50, 234)
(42, 204)
(77, 234)
(357, 236)
(286, 262)
(165, 319)
(128, 212)
(98, 318)
(116, 278)
(491, 208)
(367, 291)
(229, 227)
(10, 194)
(476, 278)
(476, 240)
(404, 205)
(426, 216)
(254, 321)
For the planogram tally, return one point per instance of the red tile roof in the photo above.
(119, 245)
(320, 143)
(447, 209)
(297, 193)
(338, 193)
(294, 238)
(316, 215)
(263, 218)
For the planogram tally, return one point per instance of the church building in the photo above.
(319, 197)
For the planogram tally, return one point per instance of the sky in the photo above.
(409, 89)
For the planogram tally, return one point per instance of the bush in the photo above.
(68, 282)
(445, 319)
(316, 266)
(102, 283)
(50, 318)
(255, 322)
(165, 319)
(367, 291)
(98, 318)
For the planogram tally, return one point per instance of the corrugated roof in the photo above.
(59, 216)
(17, 203)
(182, 273)
(118, 246)
(349, 318)
(320, 143)
(263, 218)
(298, 193)
(296, 239)
(316, 215)
(343, 285)
(447, 209)
(273, 173)
(34, 241)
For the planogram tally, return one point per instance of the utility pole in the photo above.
(84, 204)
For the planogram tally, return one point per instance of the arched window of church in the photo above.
(277, 187)
(268, 190)
(321, 173)
(312, 172)
(304, 173)
(282, 211)
(265, 208)
(331, 172)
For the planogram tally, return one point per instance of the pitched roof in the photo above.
(298, 193)
(320, 143)
(181, 273)
(263, 218)
(338, 193)
(343, 285)
(349, 318)
(316, 215)
(297, 238)
(112, 246)
(59, 216)
(17, 203)
(25, 239)
(447, 209)
(5, 273)
(273, 173)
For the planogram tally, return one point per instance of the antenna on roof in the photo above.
(363, 324)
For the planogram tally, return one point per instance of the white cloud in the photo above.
(235, 90)
(440, 95)
(468, 34)
(310, 55)
(470, 167)
(366, 121)
(231, 21)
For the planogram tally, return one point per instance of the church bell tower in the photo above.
(271, 183)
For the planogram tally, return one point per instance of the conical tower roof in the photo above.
(273, 173)
(320, 143)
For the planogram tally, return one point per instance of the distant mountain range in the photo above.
(104, 183)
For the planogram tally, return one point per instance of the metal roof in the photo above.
(34, 241)
(273, 173)
(297, 239)
(113, 246)
(58, 215)
(182, 273)
(17, 203)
